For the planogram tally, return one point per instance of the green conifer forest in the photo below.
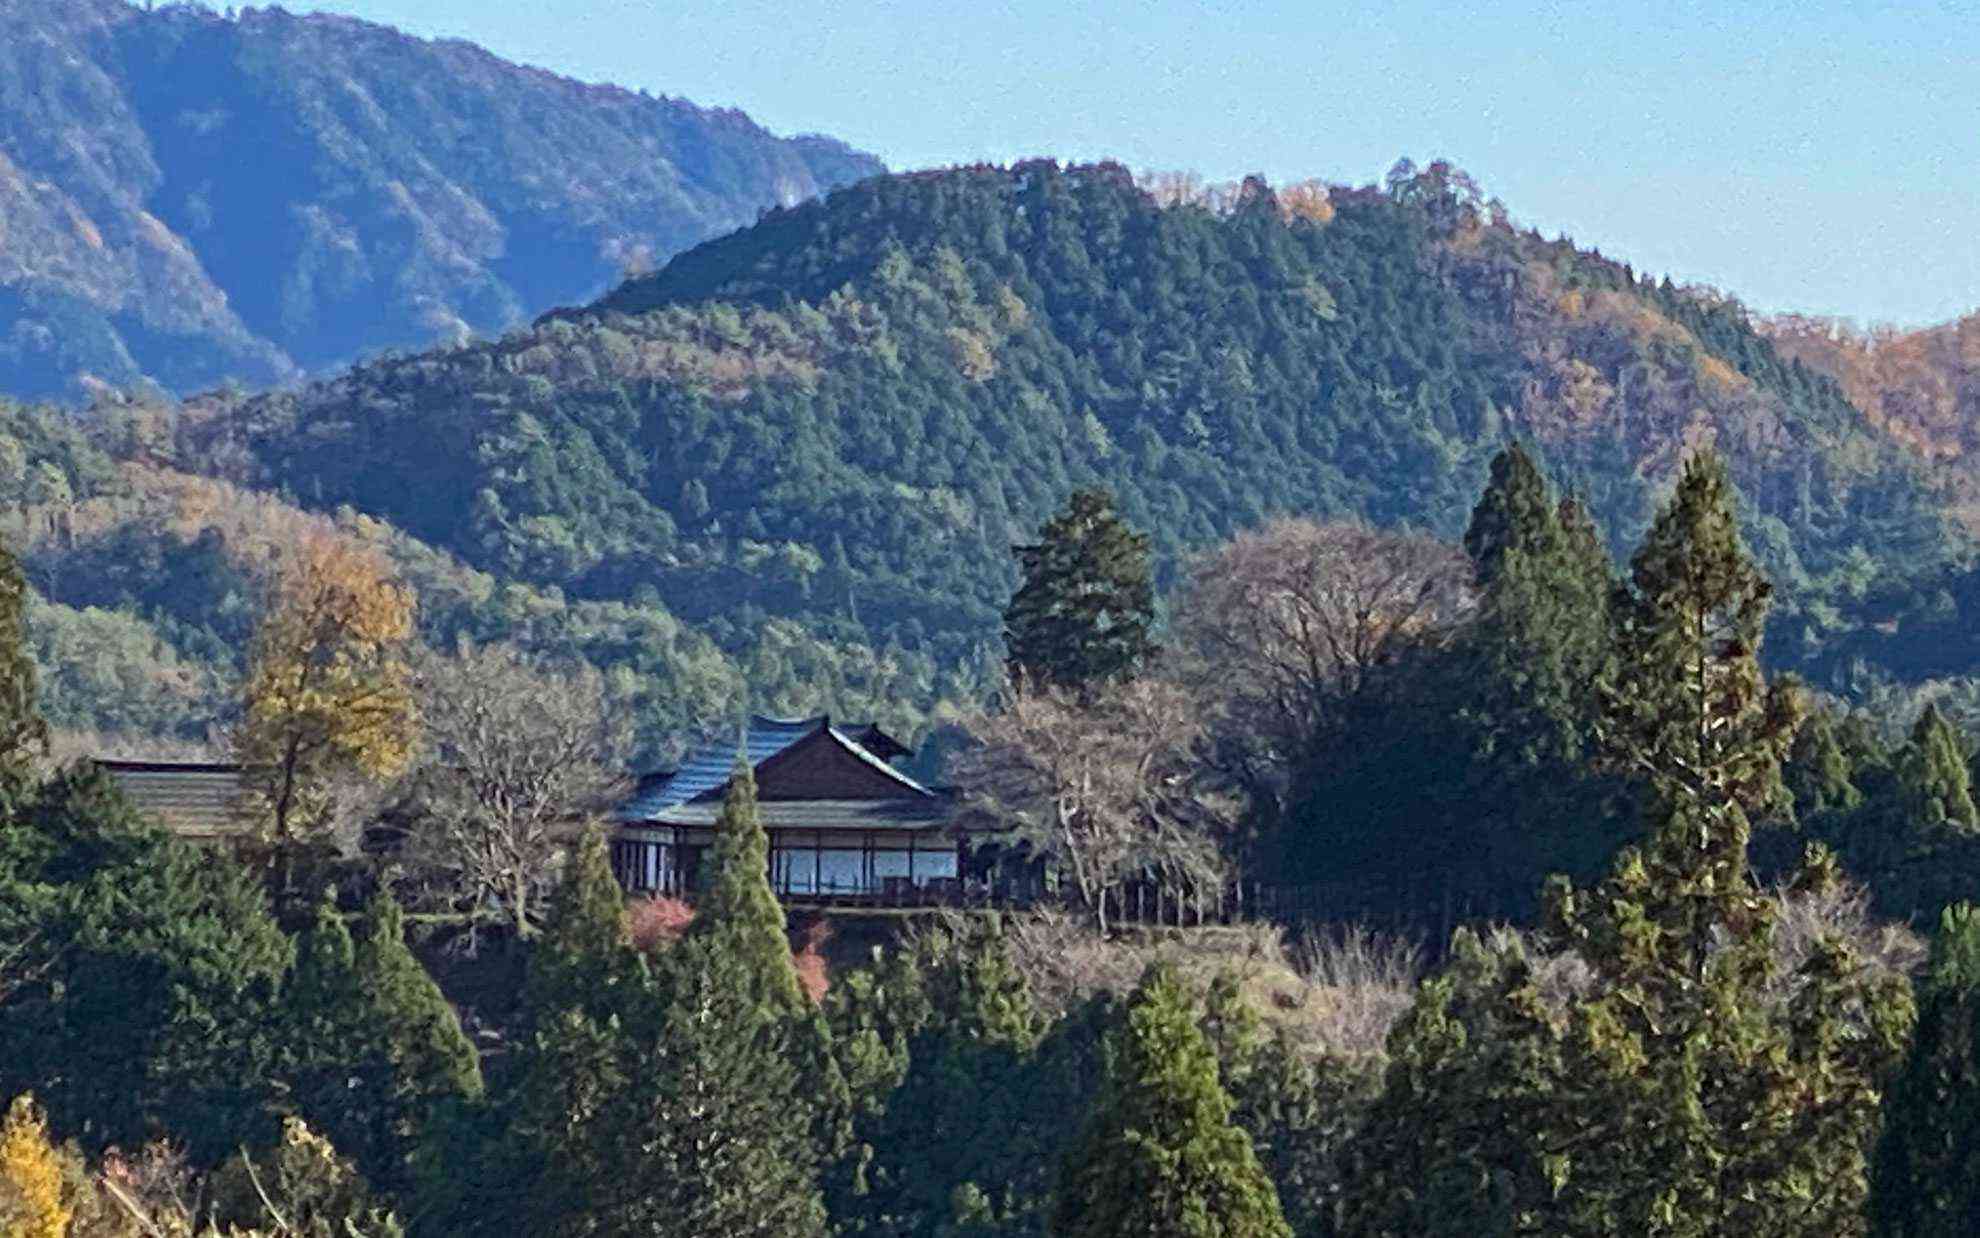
(1487, 741)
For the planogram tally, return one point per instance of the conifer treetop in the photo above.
(23, 733)
(738, 913)
(1083, 613)
(1160, 1154)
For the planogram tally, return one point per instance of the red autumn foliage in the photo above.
(814, 977)
(659, 921)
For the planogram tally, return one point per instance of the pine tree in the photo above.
(1160, 1154)
(1083, 612)
(1927, 1178)
(1934, 785)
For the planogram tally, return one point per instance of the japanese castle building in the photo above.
(842, 821)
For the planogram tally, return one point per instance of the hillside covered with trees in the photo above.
(189, 198)
(235, 1040)
(845, 415)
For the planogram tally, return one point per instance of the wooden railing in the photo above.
(1131, 903)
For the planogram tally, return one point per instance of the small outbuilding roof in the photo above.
(192, 800)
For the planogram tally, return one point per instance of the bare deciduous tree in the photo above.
(520, 757)
(1281, 625)
(1107, 788)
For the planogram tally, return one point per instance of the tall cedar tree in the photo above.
(1934, 785)
(742, 922)
(381, 1052)
(1819, 772)
(1686, 1088)
(1687, 708)
(1160, 1154)
(1541, 640)
(1461, 775)
(1299, 1111)
(1083, 612)
(710, 1126)
(1724, 1111)
(719, 1106)
(23, 734)
(585, 957)
(583, 984)
(1927, 1180)
(754, 1040)
(952, 1136)
(1453, 1145)
(22, 737)
(738, 914)
(673, 1095)
(1527, 670)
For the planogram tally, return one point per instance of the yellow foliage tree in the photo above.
(34, 1198)
(1310, 200)
(329, 704)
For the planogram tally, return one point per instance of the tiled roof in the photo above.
(191, 800)
(705, 775)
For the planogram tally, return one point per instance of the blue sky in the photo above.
(1821, 157)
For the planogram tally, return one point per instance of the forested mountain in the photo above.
(1408, 681)
(189, 198)
(845, 415)
(1921, 387)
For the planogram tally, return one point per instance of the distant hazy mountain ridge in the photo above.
(190, 199)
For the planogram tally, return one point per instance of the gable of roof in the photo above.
(790, 757)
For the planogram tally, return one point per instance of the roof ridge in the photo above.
(789, 724)
(860, 750)
(169, 767)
